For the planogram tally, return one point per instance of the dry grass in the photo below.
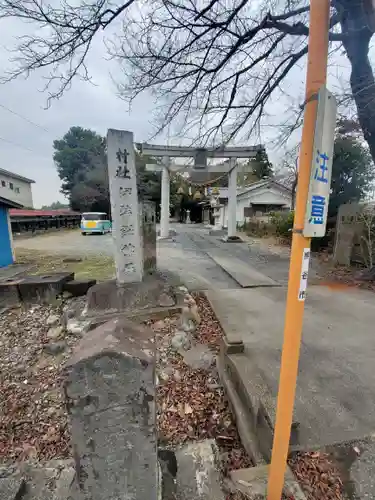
(99, 267)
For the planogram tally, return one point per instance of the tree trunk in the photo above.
(358, 32)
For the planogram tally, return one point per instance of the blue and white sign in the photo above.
(321, 168)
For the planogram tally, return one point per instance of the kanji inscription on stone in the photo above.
(124, 206)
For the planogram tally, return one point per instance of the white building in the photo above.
(257, 199)
(16, 188)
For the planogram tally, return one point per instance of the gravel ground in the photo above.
(33, 420)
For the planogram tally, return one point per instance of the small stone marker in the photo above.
(126, 228)
(148, 235)
(110, 392)
(348, 229)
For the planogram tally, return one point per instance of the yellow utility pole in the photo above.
(316, 78)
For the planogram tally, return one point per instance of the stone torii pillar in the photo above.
(201, 155)
(229, 166)
(165, 199)
(232, 199)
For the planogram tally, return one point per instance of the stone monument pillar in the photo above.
(126, 226)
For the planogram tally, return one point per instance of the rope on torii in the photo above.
(208, 183)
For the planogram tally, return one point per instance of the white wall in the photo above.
(271, 196)
(263, 196)
(21, 192)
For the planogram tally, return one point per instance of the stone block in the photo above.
(198, 476)
(110, 297)
(232, 239)
(9, 293)
(227, 347)
(166, 300)
(110, 395)
(257, 399)
(43, 288)
(252, 482)
(172, 233)
(199, 357)
(48, 480)
(245, 427)
(78, 287)
(12, 487)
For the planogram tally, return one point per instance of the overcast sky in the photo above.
(29, 150)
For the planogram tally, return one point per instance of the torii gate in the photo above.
(200, 156)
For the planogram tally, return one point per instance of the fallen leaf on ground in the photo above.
(193, 407)
(318, 476)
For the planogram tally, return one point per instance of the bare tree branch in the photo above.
(63, 39)
(214, 66)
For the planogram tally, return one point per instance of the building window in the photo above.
(17, 190)
(11, 185)
(3, 184)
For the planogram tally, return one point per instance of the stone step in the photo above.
(31, 481)
(54, 481)
(246, 276)
(257, 399)
(245, 429)
(198, 475)
(78, 287)
(252, 482)
(12, 487)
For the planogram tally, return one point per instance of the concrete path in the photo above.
(335, 397)
(249, 253)
(246, 276)
(182, 256)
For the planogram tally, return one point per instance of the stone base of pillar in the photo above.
(109, 297)
(232, 239)
(172, 234)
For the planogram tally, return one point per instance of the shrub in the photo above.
(283, 224)
(256, 228)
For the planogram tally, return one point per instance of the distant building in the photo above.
(16, 188)
(255, 200)
(6, 241)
